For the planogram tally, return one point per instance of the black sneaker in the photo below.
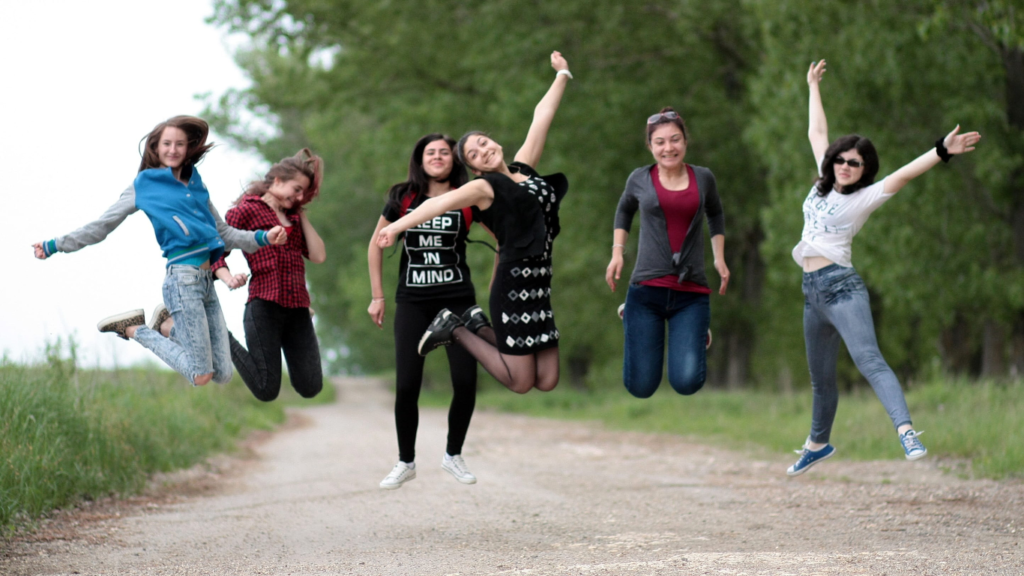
(439, 333)
(474, 319)
(118, 323)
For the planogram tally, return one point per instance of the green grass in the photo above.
(68, 434)
(979, 422)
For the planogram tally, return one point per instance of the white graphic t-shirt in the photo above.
(831, 222)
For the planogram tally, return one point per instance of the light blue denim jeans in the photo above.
(648, 310)
(199, 340)
(836, 306)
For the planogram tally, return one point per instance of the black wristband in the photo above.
(940, 149)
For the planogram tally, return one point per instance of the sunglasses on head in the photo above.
(662, 116)
(839, 161)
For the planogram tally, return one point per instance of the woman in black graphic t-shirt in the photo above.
(521, 207)
(433, 275)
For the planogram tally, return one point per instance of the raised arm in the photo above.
(544, 114)
(477, 193)
(817, 126)
(954, 142)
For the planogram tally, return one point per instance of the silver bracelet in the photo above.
(623, 246)
(372, 299)
(563, 73)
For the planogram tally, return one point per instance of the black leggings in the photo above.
(411, 321)
(269, 329)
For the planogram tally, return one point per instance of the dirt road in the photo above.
(553, 498)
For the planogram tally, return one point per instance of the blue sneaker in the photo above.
(912, 447)
(809, 458)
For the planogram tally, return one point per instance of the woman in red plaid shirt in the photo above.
(277, 316)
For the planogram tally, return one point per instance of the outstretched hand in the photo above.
(957, 143)
(277, 236)
(39, 252)
(558, 61)
(815, 72)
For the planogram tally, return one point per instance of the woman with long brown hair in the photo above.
(277, 315)
(521, 207)
(191, 234)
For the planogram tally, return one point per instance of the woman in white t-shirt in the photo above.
(836, 300)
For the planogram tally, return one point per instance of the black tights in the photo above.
(411, 321)
(519, 374)
(269, 329)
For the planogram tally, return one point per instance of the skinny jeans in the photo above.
(270, 329)
(836, 306)
(411, 321)
(199, 340)
(687, 316)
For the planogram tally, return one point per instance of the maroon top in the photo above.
(278, 272)
(680, 207)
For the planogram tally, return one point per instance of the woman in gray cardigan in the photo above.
(668, 283)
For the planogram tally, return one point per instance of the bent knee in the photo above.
(642, 390)
(310, 389)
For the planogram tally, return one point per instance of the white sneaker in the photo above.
(399, 475)
(456, 466)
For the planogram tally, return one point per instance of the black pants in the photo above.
(269, 329)
(411, 321)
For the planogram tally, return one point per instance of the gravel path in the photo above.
(553, 498)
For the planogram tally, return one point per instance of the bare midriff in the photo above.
(813, 263)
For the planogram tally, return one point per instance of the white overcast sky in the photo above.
(82, 83)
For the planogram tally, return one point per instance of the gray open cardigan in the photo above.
(654, 257)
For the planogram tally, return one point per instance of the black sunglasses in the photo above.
(659, 117)
(839, 161)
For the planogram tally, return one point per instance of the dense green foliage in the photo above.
(972, 429)
(360, 81)
(68, 434)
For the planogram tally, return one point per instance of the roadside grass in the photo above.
(68, 434)
(977, 422)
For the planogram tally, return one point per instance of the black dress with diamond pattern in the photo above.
(524, 218)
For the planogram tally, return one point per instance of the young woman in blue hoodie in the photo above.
(192, 234)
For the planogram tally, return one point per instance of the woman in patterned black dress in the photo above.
(521, 208)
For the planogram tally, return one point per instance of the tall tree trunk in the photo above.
(993, 350)
(956, 349)
(1017, 354)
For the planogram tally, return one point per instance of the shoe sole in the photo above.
(918, 457)
(108, 324)
(454, 475)
(808, 467)
(425, 337)
(400, 484)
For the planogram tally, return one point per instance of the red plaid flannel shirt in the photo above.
(278, 272)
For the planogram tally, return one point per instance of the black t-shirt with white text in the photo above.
(433, 261)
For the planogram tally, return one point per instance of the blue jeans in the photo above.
(688, 315)
(199, 341)
(836, 306)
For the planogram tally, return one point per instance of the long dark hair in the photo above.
(418, 181)
(195, 129)
(827, 181)
(304, 162)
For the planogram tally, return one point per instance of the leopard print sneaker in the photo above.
(118, 323)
